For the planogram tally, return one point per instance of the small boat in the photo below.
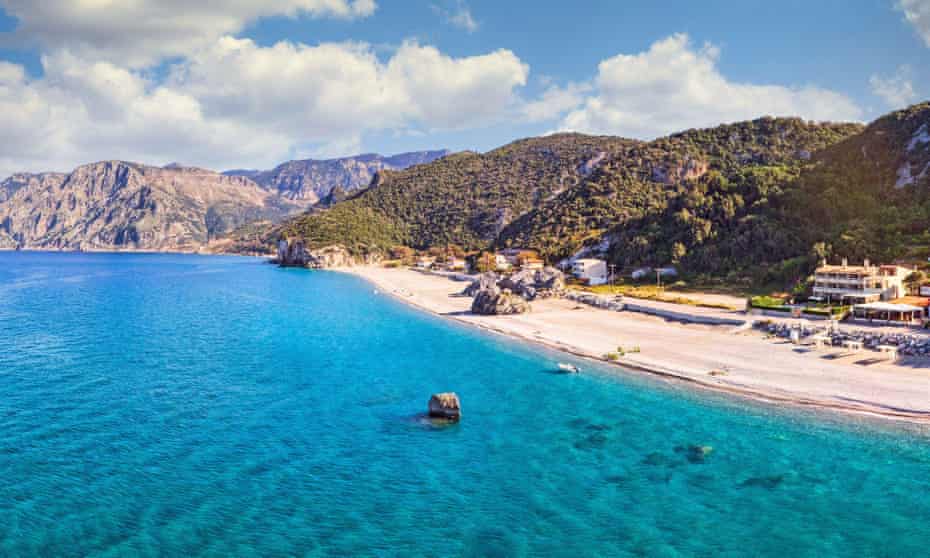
(568, 368)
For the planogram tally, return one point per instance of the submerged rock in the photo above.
(695, 453)
(770, 482)
(445, 405)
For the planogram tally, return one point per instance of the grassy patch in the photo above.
(652, 292)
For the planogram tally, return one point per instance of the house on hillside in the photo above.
(518, 256)
(591, 270)
(455, 264)
(532, 264)
(860, 284)
(502, 262)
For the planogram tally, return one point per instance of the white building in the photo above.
(455, 264)
(860, 284)
(592, 270)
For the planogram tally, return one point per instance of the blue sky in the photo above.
(250, 84)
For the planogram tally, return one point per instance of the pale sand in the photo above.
(763, 369)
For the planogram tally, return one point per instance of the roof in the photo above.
(851, 269)
(889, 307)
(589, 260)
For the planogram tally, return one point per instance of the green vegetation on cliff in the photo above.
(710, 201)
(869, 196)
(465, 198)
(755, 201)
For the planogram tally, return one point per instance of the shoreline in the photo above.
(401, 285)
(133, 251)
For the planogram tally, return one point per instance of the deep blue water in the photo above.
(157, 405)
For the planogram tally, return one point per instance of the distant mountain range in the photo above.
(313, 180)
(122, 205)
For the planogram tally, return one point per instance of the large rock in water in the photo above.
(445, 405)
(295, 254)
(495, 302)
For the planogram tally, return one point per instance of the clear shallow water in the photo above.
(196, 406)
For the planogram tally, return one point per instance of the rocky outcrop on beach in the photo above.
(533, 284)
(445, 406)
(495, 301)
(486, 280)
(529, 284)
(295, 254)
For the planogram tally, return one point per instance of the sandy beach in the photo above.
(723, 358)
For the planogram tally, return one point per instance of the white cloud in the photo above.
(321, 90)
(460, 16)
(238, 104)
(81, 112)
(917, 13)
(897, 91)
(674, 86)
(140, 32)
(555, 101)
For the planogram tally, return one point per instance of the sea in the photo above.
(180, 405)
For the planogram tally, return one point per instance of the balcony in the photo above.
(838, 290)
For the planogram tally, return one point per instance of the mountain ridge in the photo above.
(118, 205)
(750, 202)
(314, 180)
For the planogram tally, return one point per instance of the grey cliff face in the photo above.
(312, 181)
(295, 254)
(119, 205)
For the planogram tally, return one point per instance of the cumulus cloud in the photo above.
(917, 13)
(675, 86)
(322, 89)
(897, 90)
(140, 32)
(554, 102)
(459, 16)
(82, 111)
(238, 104)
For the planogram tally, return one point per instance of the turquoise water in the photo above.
(158, 405)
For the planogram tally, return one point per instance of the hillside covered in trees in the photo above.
(710, 201)
(756, 201)
(464, 198)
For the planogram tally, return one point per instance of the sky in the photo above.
(251, 83)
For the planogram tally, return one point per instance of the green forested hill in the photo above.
(869, 196)
(711, 201)
(465, 198)
(753, 201)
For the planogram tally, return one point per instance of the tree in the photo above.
(403, 253)
(913, 282)
(485, 261)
